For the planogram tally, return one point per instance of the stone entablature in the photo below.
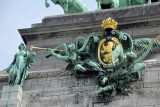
(150, 65)
(81, 23)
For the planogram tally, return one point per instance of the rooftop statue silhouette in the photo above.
(107, 4)
(69, 6)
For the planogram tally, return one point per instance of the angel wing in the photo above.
(79, 42)
(84, 44)
(139, 44)
(29, 61)
(148, 44)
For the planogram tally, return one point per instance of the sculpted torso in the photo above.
(20, 60)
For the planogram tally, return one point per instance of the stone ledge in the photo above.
(123, 12)
(152, 63)
(62, 72)
(38, 74)
(79, 23)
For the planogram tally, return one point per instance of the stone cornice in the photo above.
(62, 72)
(38, 74)
(73, 24)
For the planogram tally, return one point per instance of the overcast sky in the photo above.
(19, 14)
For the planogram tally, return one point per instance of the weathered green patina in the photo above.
(76, 6)
(76, 62)
(106, 4)
(109, 55)
(135, 2)
(18, 69)
(69, 6)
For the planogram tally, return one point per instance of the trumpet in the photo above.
(33, 47)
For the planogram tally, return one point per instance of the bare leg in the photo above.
(100, 90)
(95, 66)
(79, 67)
(115, 4)
(66, 6)
(104, 80)
(99, 4)
(149, 1)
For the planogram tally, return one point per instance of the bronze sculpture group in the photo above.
(106, 4)
(69, 6)
(110, 55)
(76, 6)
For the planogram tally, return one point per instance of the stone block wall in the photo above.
(11, 96)
(59, 88)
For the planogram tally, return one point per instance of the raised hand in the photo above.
(49, 53)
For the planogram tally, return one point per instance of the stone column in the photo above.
(11, 96)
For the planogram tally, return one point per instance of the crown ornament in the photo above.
(109, 23)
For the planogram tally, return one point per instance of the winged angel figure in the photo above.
(18, 69)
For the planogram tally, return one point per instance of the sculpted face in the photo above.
(71, 47)
(55, 1)
(21, 46)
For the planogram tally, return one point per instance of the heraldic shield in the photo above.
(105, 49)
